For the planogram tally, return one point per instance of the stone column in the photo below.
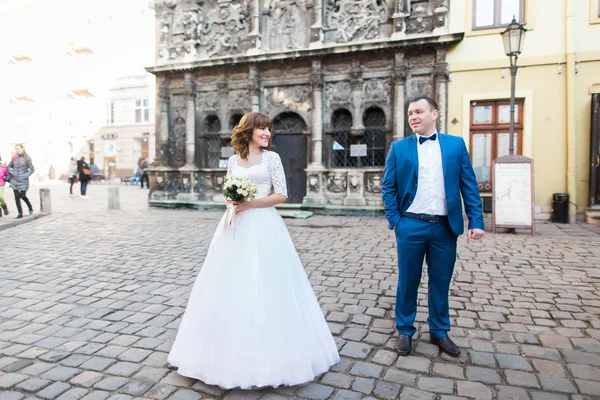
(441, 89)
(399, 94)
(315, 184)
(162, 122)
(317, 116)
(254, 88)
(357, 96)
(190, 126)
(256, 34)
(316, 30)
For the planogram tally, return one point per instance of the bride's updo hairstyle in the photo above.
(242, 133)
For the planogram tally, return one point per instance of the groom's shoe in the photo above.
(446, 345)
(404, 345)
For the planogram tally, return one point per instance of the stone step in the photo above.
(592, 215)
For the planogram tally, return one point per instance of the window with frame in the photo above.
(142, 111)
(110, 113)
(490, 136)
(497, 13)
(214, 142)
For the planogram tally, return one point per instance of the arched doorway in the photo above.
(290, 143)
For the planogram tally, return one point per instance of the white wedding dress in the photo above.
(252, 319)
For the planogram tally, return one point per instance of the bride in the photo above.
(252, 319)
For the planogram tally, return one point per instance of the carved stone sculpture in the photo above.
(337, 183)
(207, 101)
(288, 25)
(338, 94)
(313, 184)
(376, 91)
(288, 98)
(374, 183)
(216, 29)
(356, 19)
(238, 100)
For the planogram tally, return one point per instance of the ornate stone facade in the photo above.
(335, 76)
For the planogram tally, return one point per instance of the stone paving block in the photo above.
(413, 363)
(555, 341)
(315, 391)
(10, 395)
(366, 370)
(536, 395)
(96, 395)
(512, 393)
(17, 365)
(33, 384)
(86, 379)
(122, 368)
(386, 390)
(449, 370)
(484, 375)
(160, 392)
(75, 360)
(482, 358)
(53, 391)
(363, 385)
(136, 388)
(134, 355)
(111, 383)
(584, 371)
(208, 389)
(549, 367)
(385, 357)
(11, 379)
(356, 350)
(336, 379)
(588, 387)
(97, 364)
(508, 361)
(73, 394)
(474, 389)
(175, 379)
(555, 383)
(347, 395)
(436, 385)
(524, 379)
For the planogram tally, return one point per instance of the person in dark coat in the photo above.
(20, 169)
(85, 176)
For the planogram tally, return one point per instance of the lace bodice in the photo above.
(266, 175)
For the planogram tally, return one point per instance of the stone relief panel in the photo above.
(201, 29)
(420, 85)
(287, 98)
(337, 183)
(373, 185)
(238, 100)
(354, 20)
(287, 27)
(207, 101)
(377, 91)
(314, 183)
(338, 94)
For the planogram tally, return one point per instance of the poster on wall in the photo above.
(513, 193)
(110, 148)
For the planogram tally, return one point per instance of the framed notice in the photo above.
(358, 150)
(513, 193)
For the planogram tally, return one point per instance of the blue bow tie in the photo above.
(424, 139)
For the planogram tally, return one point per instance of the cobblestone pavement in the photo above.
(90, 301)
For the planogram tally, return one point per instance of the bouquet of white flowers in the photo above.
(238, 189)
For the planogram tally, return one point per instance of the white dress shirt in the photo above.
(431, 194)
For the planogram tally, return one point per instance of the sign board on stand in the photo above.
(512, 193)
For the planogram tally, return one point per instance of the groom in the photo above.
(424, 177)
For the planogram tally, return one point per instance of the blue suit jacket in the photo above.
(399, 185)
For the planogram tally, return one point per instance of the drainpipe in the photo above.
(571, 125)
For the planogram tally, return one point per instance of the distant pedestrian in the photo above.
(72, 175)
(21, 168)
(85, 176)
(3, 174)
(143, 166)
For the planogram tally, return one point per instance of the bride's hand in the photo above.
(243, 206)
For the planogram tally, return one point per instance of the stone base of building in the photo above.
(331, 192)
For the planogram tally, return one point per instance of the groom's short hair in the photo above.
(429, 100)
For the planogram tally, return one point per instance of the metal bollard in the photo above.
(113, 198)
(45, 201)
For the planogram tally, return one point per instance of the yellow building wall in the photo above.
(479, 70)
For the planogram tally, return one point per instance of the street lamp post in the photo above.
(513, 38)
